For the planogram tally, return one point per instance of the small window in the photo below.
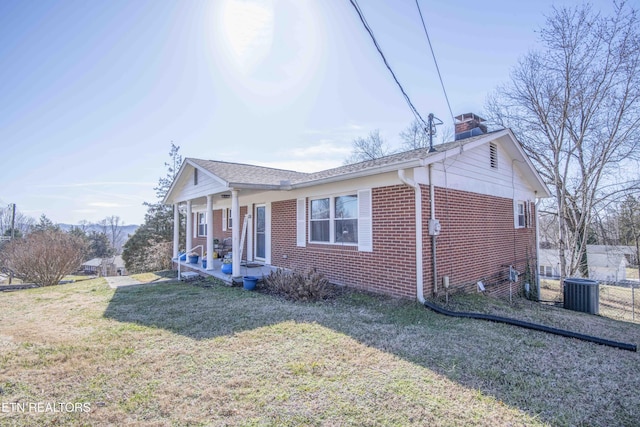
(521, 218)
(195, 177)
(229, 219)
(202, 224)
(493, 155)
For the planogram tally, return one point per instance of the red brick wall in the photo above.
(388, 269)
(478, 242)
(217, 228)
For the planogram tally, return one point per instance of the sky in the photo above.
(93, 93)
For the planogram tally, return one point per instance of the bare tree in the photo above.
(369, 148)
(630, 224)
(44, 257)
(115, 231)
(21, 223)
(416, 136)
(576, 109)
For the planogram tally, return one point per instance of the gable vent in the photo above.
(493, 155)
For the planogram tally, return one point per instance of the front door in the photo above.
(261, 236)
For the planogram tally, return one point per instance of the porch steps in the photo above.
(188, 276)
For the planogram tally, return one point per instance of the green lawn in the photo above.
(179, 354)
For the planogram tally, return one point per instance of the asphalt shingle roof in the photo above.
(239, 173)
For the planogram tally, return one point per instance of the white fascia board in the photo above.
(525, 158)
(360, 174)
(209, 174)
(169, 198)
(514, 148)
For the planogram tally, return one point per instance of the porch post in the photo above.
(189, 227)
(209, 232)
(235, 233)
(176, 230)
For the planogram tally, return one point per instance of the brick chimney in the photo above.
(468, 125)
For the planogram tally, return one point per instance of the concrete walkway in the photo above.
(119, 281)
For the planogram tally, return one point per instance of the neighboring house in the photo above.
(605, 263)
(395, 225)
(110, 266)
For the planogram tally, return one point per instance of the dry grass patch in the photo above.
(176, 354)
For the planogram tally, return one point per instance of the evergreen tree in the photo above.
(149, 248)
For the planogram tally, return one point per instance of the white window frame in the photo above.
(332, 220)
(201, 224)
(520, 214)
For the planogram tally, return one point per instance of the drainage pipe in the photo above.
(418, 208)
(533, 326)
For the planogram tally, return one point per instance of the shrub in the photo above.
(44, 257)
(310, 286)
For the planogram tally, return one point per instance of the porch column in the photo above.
(189, 227)
(176, 230)
(209, 232)
(235, 233)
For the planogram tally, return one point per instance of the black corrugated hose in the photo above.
(533, 326)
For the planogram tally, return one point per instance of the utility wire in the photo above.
(435, 61)
(415, 112)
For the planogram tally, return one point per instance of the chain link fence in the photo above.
(620, 301)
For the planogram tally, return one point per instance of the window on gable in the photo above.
(202, 224)
(334, 219)
(493, 155)
(195, 177)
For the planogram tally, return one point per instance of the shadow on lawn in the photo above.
(514, 365)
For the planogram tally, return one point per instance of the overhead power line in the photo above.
(415, 112)
(435, 61)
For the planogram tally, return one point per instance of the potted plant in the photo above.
(227, 266)
(193, 257)
(249, 282)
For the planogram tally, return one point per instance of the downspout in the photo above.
(537, 250)
(432, 208)
(418, 208)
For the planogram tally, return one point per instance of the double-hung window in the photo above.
(334, 219)
(202, 224)
(522, 214)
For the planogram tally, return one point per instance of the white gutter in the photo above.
(537, 250)
(418, 207)
(432, 208)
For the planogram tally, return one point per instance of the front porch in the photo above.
(246, 269)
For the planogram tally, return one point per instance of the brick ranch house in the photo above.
(396, 225)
